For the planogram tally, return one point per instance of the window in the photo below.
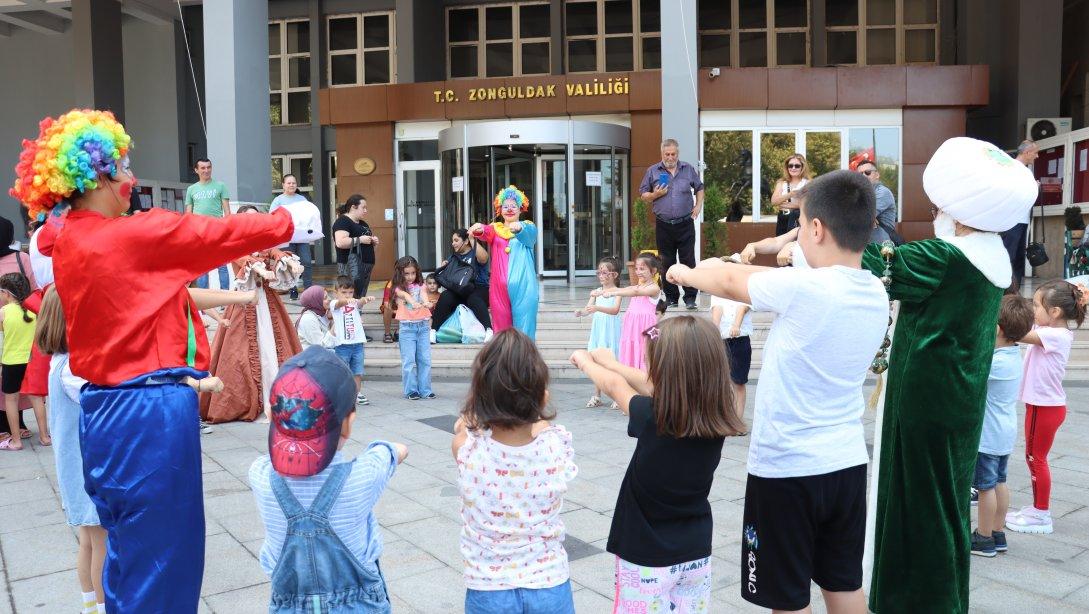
(300, 165)
(360, 49)
(753, 33)
(608, 35)
(289, 72)
(503, 40)
(874, 32)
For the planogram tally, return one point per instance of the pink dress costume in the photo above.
(633, 343)
(513, 294)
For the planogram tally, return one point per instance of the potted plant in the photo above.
(642, 234)
(1074, 223)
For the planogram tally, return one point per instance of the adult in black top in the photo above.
(353, 238)
(470, 252)
(662, 515)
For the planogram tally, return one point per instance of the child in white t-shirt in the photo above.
(734, 322)
(805, 500)
(348, 337)
(513, 470)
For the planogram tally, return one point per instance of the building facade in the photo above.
(428, 107)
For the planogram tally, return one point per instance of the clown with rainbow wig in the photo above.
(513, 293)
(133, 335)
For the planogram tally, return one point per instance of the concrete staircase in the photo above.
(560, 333)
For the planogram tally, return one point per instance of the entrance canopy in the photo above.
(581, 220)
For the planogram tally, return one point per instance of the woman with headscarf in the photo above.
(14, 261)
(260, 337)
(313, 324)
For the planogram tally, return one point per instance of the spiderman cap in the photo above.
(311, 396)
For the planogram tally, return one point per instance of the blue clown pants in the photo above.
(141, 462)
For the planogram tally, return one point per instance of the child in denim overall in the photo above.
(322, 542)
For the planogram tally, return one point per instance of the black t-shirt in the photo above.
(353, 229)
(662, 515)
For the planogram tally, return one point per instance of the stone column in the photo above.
(680, 107)
(98, 71)
(236, 94)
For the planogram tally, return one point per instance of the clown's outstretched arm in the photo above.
(209, 299)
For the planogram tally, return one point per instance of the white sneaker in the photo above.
(1030, 520)
(488, 334)
(434, 336)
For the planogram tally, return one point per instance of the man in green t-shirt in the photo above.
(208, 197)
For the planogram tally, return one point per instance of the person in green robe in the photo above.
(949, 289)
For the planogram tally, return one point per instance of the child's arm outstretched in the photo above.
(636, 378)
(650, 289)
(588, 309)
(716, 277)
(1031, 338)
(461, 433)
(771, 245)
(739, 318)
(610, 382)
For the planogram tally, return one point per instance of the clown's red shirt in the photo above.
(122, 284)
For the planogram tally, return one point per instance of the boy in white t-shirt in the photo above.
(347, 336)
(734, 322)
(805, 500)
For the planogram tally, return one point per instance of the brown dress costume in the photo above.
(237, 349)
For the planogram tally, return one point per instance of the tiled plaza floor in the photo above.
(420, 523)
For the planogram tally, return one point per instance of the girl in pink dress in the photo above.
(640, 316)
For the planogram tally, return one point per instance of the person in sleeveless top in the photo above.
(795, 176)
(322, 542)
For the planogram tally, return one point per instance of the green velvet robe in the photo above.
(934, 405)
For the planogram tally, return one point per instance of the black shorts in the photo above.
(11, 378)
(739, 351)
(802, 529)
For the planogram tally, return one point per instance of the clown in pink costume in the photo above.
(513, 293)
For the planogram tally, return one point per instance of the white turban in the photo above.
(978, 185)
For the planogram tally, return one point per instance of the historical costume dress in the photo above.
(247, 354)
(949, 290)
(513, 294)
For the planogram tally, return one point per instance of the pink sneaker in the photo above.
(1030, 520)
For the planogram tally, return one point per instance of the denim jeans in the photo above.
(415, 345)
(555, 600)
(302, 250)
(224, 279)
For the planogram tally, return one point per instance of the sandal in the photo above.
(594, 402)
(614, 406)
(388, 338)
(45, 443)
(24, 433)
(6, 445)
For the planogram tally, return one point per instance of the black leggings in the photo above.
(477, 302)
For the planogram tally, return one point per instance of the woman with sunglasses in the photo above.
(795, 175)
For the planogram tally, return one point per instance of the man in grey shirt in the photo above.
(886, 202)
(675, 192)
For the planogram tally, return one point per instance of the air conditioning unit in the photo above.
(1040, 128)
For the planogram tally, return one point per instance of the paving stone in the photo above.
(438, 591)
(39, 551)
(586, 524)
(247, 600)
(54, 592)
(229, 566)
(587, 600)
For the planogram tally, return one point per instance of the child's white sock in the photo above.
(101, 608)
(89, 605)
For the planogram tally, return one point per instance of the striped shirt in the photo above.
(352, 516)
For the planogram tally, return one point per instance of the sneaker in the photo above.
(430, 395)
(362, 400)
(294, 294)
(205, 428)
(975, 497)
(999, 541)
(982, 546)
(488, 334)
(691, 306)
(434, 335)
(415, 396)
(672, 303)
(1030, 520)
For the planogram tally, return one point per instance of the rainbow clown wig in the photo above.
(512, 193)
(67, 157)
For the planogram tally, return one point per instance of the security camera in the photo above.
(715, 72)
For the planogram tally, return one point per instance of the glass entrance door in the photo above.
(417, 219)
(599, 208)
(550, 203)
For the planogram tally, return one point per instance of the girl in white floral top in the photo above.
(513, 470)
